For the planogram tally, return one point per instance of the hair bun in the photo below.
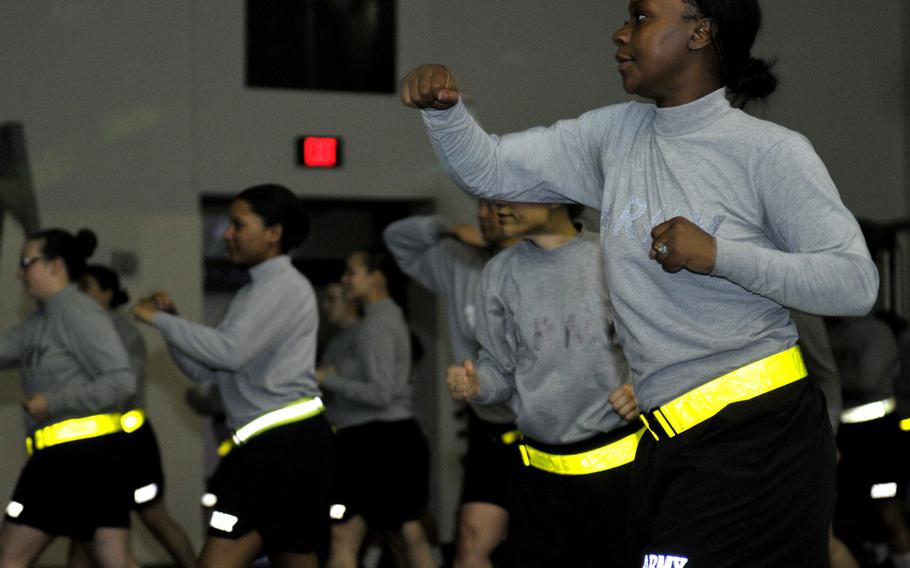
(753, 80)
(86, 241)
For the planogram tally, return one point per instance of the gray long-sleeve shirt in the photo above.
(546, 340)
(452, 270)
(376, 385)
(783, 236)
(262, 354)
(136, 351)
(69, 351)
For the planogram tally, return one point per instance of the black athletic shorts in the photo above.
(489, 462)
(870, 461)
(751, 487)
(571, 520)
(145, 472)
(382, 473)
(74, 488)
(278, 485)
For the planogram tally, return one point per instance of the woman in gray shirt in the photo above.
(270, 491)
(713, 224)
(372, 409)
(146, 487)
(76, 378)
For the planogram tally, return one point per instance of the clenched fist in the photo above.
(429, 85)
(462, 381)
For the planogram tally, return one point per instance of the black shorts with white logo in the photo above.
(752, 486)
(276, 484)
(870, 465)
(382, 473)
(145, 472)
(74, 488)
(571, 520)
(489, 463)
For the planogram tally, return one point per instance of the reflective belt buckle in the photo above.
(524, 455)
(648, 427)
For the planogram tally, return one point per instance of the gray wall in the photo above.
(132, 109)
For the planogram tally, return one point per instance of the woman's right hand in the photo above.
(462, 381)
(430, 85)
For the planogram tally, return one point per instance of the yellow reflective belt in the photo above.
(905, 424)
(745, 383)
(868, 412)
(84, 428)
(294, 412)
(612, 455)
(510, 437)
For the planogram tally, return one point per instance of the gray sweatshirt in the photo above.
(783, 236)
(868, 358)
(546, 340)
(452, 270)
(262, 354)
(68, 350)
(376, 385)
(136, 351)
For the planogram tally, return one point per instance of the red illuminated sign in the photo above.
(319, 151)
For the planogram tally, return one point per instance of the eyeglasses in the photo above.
(27, 261)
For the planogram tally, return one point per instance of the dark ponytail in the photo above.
(73, 250)
(735, 24)
(107, 279)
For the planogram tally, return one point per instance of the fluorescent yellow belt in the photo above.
(611, 456)
(294, 412)
(510, 437)
(905, 424)
(84, 428)
(745, 383)
(868, 412)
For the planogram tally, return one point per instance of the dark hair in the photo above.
(379, 258)
(107, 279)
(734, 24)
(277, 205)
(74, 250)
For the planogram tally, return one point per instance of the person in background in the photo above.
(269, 494)
(146, 490)
(77, 381)
(547, 348)
(872, 479)
(372, 405)
(447, 259)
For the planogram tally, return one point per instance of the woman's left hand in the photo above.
(624, 402)
(37, 406)
(145, 309)
(679, 243)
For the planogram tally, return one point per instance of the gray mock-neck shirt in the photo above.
(451, 269)
(547, 343)
(68, 350)
(262, 354)
(376, 384)
(783, 236)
